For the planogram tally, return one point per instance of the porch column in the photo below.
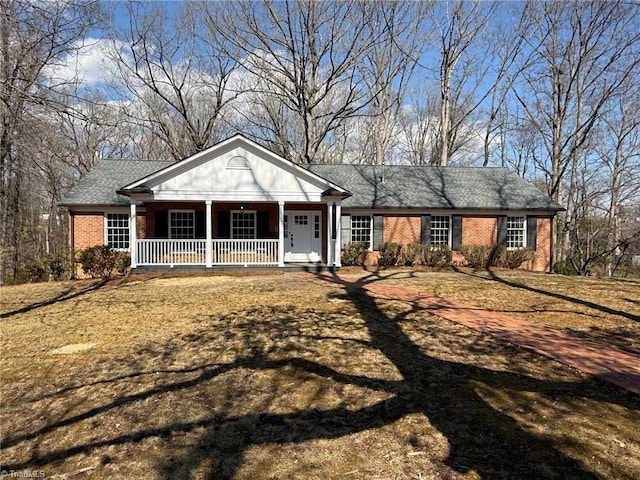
(330, 258)
(338, 244)
(133, 244)
(281, 233)
(208, 247)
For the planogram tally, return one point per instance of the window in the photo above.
(238, 163)
(316, 226)
(516, 232)
(117, 230)
(182, 224)
(361, 228)
(243, 224)
(440, 230)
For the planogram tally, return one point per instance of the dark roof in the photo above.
(435, 187)
(403, 186)
(98, 187)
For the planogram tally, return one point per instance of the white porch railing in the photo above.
(194, 252)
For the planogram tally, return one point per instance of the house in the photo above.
(239, 204)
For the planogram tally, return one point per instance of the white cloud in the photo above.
(90, 64)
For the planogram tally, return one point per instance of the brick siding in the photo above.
(88, 230)
(403, 230)
(479, 230)
(542, 260)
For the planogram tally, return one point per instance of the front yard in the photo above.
(278, 376)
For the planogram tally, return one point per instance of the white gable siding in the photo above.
(222, 176)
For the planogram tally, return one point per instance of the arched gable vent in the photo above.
(238, 163)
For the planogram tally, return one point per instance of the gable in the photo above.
(234, 170)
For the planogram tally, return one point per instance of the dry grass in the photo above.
(277, 376)
(602, 310)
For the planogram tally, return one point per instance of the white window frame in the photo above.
(448, 242)
(107, 228)
(193, 215)
(255, 224)
(523, 230)
(370, 217)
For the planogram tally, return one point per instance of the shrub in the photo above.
(411, 254)
(436, 256)
(483, 256)
(498, 256)
(564, 268)
(102, 261)
(476, 256)
(34, 271)
(57, 268)
(515, 258)
(355, 253)
(42, 269)
(389, 253)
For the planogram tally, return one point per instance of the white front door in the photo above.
(303, 239)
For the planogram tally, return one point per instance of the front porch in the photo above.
(206, 234)
(234, 204)
(168, 252)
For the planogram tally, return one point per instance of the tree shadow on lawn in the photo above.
(61, 297)
(493, 276)
(445, 392)
(480, 437)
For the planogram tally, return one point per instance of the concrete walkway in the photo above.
(599, 360)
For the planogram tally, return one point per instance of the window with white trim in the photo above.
(439, 230)
(117, 230)
(516, 232)
(182, 224)
(243, 224)
(361, 228)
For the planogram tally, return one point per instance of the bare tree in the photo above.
(462, 68)
(578, 54)
(619, 152)
(34, 38)
(419, 124)
(387, 67)
(176, 75)
(304, 57)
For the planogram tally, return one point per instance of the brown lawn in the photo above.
(279, 376)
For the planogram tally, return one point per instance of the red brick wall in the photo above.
(88, 230)
(478, 230)
(141, 225)
(402, 230)
(544, 246)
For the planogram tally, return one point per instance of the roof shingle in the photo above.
(402, 186)
(98, 187)
(372, 186)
